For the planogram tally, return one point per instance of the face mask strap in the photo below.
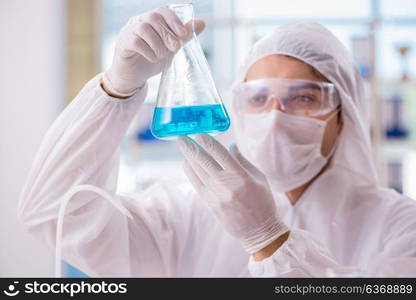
(335, 145)
(335, 112)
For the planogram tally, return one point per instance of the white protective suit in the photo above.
(343, 219)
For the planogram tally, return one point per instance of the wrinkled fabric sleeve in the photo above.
(82, 147)
(302, 256)
(299, 256)
(397, 256)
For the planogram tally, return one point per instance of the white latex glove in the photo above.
(237, 192)
(144, 45)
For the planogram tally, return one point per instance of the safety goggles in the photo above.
(291, 96)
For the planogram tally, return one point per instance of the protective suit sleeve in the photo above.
(397, 257)
(299, 256)
(302, 256)
(81, 148)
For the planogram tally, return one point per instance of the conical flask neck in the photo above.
(188, 101)
(186, 79)
(185, 12)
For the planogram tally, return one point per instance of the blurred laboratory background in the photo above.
(51, 48)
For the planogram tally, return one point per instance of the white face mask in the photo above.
(286, 148)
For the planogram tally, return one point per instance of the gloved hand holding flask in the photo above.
(235, 190)
(144, 45)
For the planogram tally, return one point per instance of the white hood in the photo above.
(319, 48)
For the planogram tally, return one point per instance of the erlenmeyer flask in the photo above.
(188, 101)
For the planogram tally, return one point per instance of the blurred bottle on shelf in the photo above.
(400, 107)
(395, 121)
(404, 50)
(362, 52)
(407, 87)
(394, 175)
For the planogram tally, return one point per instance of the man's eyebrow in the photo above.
(305, 86)
(262, 90)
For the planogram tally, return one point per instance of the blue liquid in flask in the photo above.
(184, 120)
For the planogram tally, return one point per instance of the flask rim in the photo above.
(184, 11)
